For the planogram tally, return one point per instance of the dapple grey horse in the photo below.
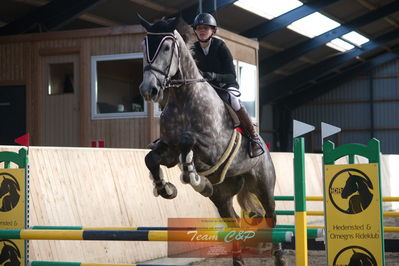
(196, 129)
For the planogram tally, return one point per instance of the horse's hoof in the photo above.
(238, 262)
(280, 262)
(279, 259)
(168, 191)
(208, 190)
(155, 192)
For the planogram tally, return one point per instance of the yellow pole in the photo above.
(321, 213)
(301, 239)
(320, 198)
(301, 231)
(52, 234)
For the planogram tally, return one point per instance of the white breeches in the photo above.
(234, 100)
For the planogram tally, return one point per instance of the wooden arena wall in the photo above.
(111, 187)
(65, 119)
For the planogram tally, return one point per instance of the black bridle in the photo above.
(168, 81)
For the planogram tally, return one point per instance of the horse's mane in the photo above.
(186, 32)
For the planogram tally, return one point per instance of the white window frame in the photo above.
(157, 112)
(94, 114)
(238, 64)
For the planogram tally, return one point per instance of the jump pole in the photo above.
(301, 237)
(62, 263)
(275, 236)
(301, 232)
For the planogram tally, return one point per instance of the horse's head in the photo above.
(9, 252)
(355, 184)
(359, 258)
(3, 186)
(161, 57)
(8, 185)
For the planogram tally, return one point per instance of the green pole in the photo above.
(301, 238)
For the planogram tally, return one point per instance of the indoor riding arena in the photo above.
(121, 142)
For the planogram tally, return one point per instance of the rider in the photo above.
(215, 62)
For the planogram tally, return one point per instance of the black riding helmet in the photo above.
(205, 19)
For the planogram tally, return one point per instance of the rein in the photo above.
(180, 82)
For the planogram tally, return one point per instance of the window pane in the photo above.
(248, 86)
(118, 86)
(60, 78)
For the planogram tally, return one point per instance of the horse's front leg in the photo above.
(153, 161)
(189, 174)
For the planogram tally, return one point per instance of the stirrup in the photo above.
(259, 144)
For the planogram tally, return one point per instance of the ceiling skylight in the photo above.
(340, 45)
(268, 8)
(313, 25)
(355, 38)
(310, 26)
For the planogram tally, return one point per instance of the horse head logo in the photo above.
(359, 258)
(362, 199)
(10, 254)
(9, 192)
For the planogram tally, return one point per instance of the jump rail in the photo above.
(61, 263)
(320, 198)
(275, 236)
(313, 233)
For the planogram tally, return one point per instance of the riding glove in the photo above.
(210, 76)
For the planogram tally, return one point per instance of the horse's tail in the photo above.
(249, 202)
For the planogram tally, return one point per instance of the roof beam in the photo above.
(262, 30)
(51, 16)
(284, 87)
(372, 7)
(155, 6)
(86, 17)
(280, 59)
(208, 6)
(269, 46)
(323, 87)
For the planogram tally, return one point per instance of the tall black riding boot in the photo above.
(256, 147)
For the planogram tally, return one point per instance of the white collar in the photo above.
(206, 49)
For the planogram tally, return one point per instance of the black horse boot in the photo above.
(256, 147)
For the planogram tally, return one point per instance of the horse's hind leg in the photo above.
(264, 191)
(223, 200)
(153, 161)
(189, 173)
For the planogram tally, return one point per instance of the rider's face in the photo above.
(203, 32)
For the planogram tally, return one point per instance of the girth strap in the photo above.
(229, 155)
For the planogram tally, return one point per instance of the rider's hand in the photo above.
(210, 76)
